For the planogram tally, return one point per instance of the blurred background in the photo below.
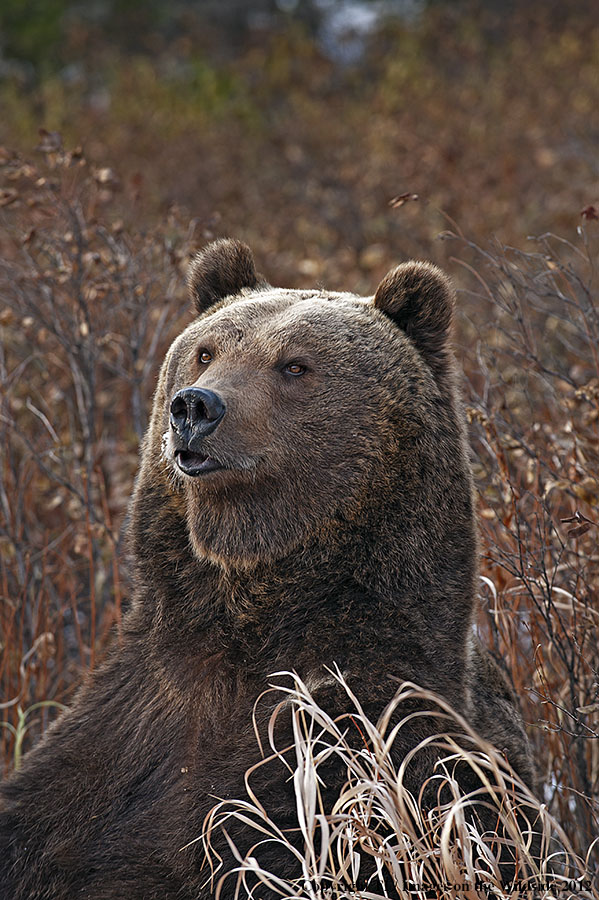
(294, 124)
(337, 138)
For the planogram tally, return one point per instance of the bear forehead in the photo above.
(281, 316)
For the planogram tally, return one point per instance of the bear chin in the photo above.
(236, 529)
(248, 512)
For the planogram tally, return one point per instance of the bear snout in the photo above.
(195, 412)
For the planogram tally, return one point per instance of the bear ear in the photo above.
(221, 269)
(419, 299)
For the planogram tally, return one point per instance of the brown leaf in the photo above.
(590, 212)
(579, 530)
(107, 178)
(398, 201)
(583, 525)
(51, 141)
(8, 196)
(577, 517)
(24, 171)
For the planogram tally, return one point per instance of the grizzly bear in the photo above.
(304, 500)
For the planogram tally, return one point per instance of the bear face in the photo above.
(282, 411)
(303, 420)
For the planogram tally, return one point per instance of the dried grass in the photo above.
(376, 840)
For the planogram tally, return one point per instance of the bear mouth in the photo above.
(195, 464)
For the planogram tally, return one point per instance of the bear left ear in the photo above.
(220, 270)
(418, 297)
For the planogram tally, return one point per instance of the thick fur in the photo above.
(340, 530)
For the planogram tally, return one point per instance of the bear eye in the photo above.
(294, 369)
(204, 356)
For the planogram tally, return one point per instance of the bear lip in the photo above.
(195, 464)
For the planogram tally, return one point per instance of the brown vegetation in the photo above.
(491, 123)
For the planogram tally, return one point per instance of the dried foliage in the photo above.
(86, 310)
(376, 834)
(490, 118)
(534, 406)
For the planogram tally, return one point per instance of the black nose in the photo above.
(196, 409)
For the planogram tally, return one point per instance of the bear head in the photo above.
(283, 416)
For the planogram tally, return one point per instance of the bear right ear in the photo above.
(419, 299)
(220, 270)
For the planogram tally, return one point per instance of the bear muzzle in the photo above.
(194, 414)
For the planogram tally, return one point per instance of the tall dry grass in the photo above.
(375, 840)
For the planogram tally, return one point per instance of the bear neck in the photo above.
(405, 565)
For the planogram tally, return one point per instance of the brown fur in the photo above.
(341, 530)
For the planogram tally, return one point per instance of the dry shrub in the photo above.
(376, 835)
(86, 311)
(534, 405)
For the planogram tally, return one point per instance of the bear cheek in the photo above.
(167, 448)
